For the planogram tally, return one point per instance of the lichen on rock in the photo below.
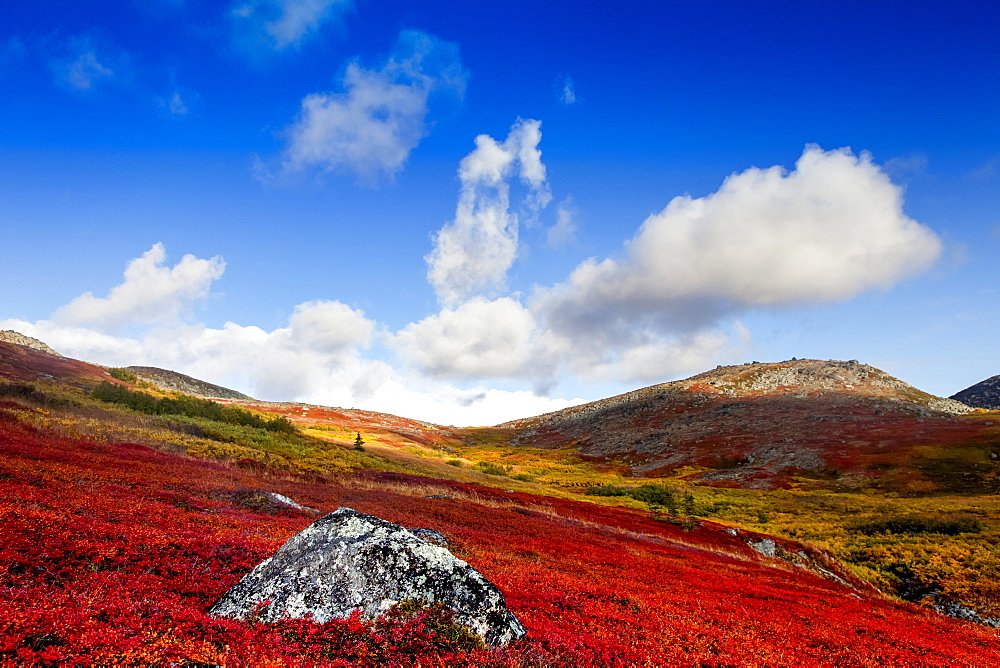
(349, 561)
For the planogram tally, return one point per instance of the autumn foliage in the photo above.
(111, 553)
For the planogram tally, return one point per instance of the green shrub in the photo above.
(659, 496)
(606, 490)
(123, 375)
(23, 391)
(917, 524)
(188, 406)
(494, 469)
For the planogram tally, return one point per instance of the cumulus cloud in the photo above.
(473, 252)
(284, 23)
(826, 231)
(480, 339)
(768, 238)
(380, 117)
(151, 292)
(318, 356)
(299, 362)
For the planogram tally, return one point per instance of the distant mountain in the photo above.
(761, 425)
(172, 381)
(985, 394)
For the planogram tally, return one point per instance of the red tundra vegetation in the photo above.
(112, 553)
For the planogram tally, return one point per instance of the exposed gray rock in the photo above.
(765, 546)
(10, 336)
(173, 381)
(349, 561)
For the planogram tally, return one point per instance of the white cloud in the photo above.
(372, 126)
(150, 293)
(473, 252)
(329, 327)
(480, 339)
(826, 231)
(284, 23)
(278, 366)
(316, 358)
(649, 354)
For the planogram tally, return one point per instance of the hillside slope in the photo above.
(984, 394)
(21, 362)
(759, 425)
(111, 553)
(933, 548)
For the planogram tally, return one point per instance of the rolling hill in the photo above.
(761, 425)
(984, 394)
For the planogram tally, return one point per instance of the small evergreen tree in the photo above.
(358, 441)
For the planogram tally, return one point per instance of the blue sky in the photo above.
(470, 212)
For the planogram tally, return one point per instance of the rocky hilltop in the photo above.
(10, 336)
(172, 381)
(985, 394)
(757, 425)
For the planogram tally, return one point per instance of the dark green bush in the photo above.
(915, 524)
(23, 391)
(494, 469)
(655, 495)
(607, 490)
(123, 375)
(188, 406)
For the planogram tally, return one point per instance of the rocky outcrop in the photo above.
(985, 394)
(10, 336)
(349, 561)
(172, 381)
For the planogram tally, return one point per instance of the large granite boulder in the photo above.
(349, 561)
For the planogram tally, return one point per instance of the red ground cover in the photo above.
(111, 554)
